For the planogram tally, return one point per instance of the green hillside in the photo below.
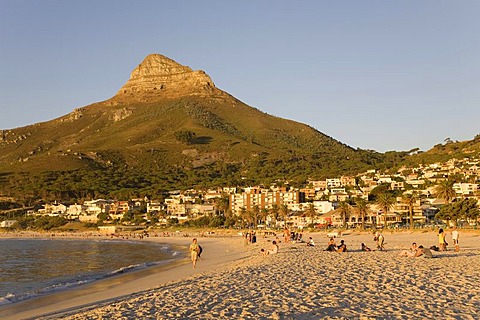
(147, 140)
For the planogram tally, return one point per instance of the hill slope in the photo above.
(140, 128)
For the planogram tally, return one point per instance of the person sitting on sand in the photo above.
(410, 253)
(299, 237)
(274, 249)
(310, 242)
(342, 247)
(331, 246)
(365, 248)
(421, 251)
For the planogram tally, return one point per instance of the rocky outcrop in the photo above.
(121, 114)
(159, 76)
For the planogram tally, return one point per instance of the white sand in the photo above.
(298, 283)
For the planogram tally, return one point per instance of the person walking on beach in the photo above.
(380, 241)
(286, 235)
(442, 244)
(194, 251)
(455, 236)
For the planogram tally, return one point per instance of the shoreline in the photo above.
(124, 284)
(234, 280)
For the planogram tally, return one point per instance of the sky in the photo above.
(379, 75)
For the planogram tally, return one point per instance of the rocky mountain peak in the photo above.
(159, 77)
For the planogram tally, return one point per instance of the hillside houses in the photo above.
(324, 194)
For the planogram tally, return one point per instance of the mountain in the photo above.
(171, 126)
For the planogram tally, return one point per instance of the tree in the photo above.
(284, 213)
(255, 215)
(274, 212)
(463, 209)
(222, 205)
(245, 215)
(311, 212)
(344, 209)
(104, 216)
(362, 207)
(185, 136)
(263, 215)
(410, 199)
(385, 201)
(445, 191)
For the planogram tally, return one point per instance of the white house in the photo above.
(7, 223)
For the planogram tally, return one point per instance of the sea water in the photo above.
(33, 267)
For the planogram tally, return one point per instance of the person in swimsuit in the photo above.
(342, 247)
(380, 241)
(365, 248)
(425, 252)
(194, 251)
(410, 253)
(331, 245)
(455, 237)
(442, 244)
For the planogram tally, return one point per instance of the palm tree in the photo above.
(445, 191)
(386, 202)
(311, 212)
(244, 214)
(362, 207)
(344, 209)
(255, 215)
(274, 211)
(410, 199)
(222, 205)
(264, 214)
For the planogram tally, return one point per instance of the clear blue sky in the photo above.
(382, 75)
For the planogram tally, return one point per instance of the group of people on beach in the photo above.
(442, 242)
(290, 236)
(272, 250)
(417, 251)
(332, 247)
(250, 237)
(414, 251)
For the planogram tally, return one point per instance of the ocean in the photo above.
(34, 267)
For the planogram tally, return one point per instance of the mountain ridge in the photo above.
(138, 129)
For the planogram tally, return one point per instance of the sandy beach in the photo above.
(232, 280)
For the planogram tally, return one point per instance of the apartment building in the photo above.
(263, 199)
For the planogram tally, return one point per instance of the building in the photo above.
(7, 223)
(263, 199)
(119, 208)
(465, 189)
(53, 209)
